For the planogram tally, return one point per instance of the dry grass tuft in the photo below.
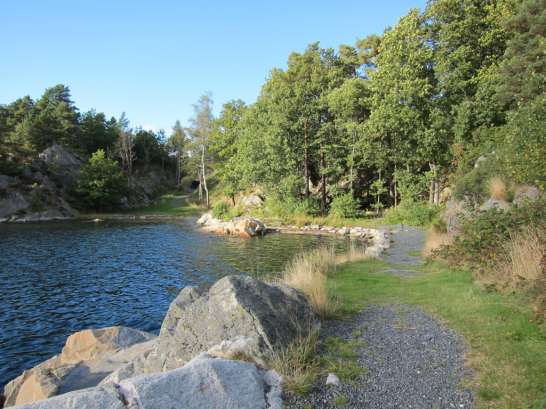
(497, 188)
(435, 240)
(297, 363)
(525, 255)
(308, 272)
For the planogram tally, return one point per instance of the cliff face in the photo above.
(40, 191)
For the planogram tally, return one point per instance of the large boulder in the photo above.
(104, 397)
(87, 358)
(63, 165)
(239, 226)
(204, 383)
(493, 203)
(12, 204)
(525, 194)
(267, 316)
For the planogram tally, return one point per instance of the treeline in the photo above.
(29, 126)
(397, 115)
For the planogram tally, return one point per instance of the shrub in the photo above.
(475, 184)
(480, 242)
(412, 213)
(497, 188)
(220, 210)
(101, 183)
(344, 206)
(436, 239)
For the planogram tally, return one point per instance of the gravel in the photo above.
(410, 361)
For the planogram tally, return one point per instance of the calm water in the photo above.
(59, 278)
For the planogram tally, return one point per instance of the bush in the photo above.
(224, 211)
(101, 183)
(412, 213)
(476, 184)
(480, 242)
(344, 206)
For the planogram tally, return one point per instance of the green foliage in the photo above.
(344, 206)
(474, 184)
(412, 213)
(220, 210)
(101, 183)
(479, 243)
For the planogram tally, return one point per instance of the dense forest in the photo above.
(393, 119)
(397, 116)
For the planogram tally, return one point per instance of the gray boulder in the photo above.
(526, 194)
(267, 316)
(12, 203)
(63, 165)
(203, 383)
(495, 203)
(106, 397)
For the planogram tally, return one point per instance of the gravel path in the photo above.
(411, 361)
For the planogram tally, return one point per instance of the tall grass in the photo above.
(435, 240)
(525, 256)
(497, 188)
(309, 273)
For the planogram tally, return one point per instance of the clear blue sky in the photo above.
(153, 59)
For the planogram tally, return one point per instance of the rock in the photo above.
(250, 201)
(495, 203)
(204, 382)
(59, 157)
(92, 344)
(526, 194)
(63, 165)
(96, 398)
(87, 358)
(343, 231)
(238, 348)
(247, 227)
(5, 181)
(13, 203)
(239, 226)
(333, 380)
(455, 213)
(235, 306)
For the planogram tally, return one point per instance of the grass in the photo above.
(435, 239)
(171, 205)
(497, 188)
(506, 348)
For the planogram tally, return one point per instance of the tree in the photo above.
(96, 132)
(125, 144)
(200, 130)
(401, 93)
(177, 144)
(54, 120)
(100, 183)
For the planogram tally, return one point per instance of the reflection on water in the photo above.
(59, 278)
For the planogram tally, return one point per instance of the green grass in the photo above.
(506, 349)
(173, 205)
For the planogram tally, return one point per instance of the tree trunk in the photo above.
(323, 182)
(207, 203)
(305, 158)
(352, 164)
(200, 186)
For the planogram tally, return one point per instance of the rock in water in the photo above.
(96, 398)
(239, 226)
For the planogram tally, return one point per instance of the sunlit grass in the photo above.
(506, 349)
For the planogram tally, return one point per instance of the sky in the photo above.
(153, 59)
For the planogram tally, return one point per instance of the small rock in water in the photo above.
(332, 379)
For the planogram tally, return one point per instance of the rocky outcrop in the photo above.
(525, 194)
(239, 226)
(39, 192)
(205, 382)
(237, 314)
(238, 319)
(86, 359)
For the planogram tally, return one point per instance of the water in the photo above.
(59, 278)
